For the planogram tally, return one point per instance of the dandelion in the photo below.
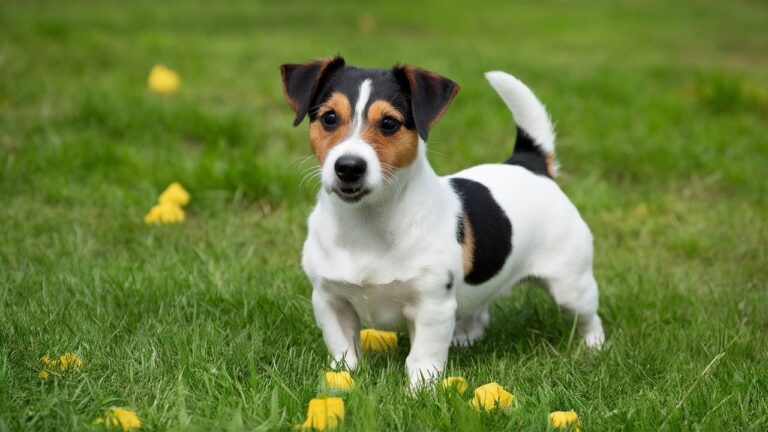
(163, 80)
(175, 194)
(66, 362)
(492, 395)
(43, 374)
(339, 381)
(324, 413)
(70, 361)
(565, 420)
(125, 419)
(458, 383)
(375, 340)
(166, 213)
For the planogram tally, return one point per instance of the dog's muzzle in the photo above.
(350, 173)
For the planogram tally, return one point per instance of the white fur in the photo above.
(385, 260)
(529, 112)
(354, 145)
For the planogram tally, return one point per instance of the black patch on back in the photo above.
(528, 155)
(460, 229)
(491, 229)
(449, 284)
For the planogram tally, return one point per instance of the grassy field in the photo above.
(662, 113)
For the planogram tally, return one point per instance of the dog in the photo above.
(396, 246)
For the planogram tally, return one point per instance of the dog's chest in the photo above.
(385, 306)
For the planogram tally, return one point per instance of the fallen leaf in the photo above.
(565, 420)
(459, 383)
(339, 381)
(165, 213)
(489, 396)
(324, 413)
(375, 340)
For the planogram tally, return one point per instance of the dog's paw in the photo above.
(422, 376)
(423, 379)
(465, 337)
(593, 334)
(347, 362)
(595, 339)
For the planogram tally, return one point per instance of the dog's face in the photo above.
(365, 124)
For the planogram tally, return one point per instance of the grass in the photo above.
(661, 109)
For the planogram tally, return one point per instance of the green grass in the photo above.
(662, 112)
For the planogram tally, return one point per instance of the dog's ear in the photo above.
(430, 95)
(302, 81)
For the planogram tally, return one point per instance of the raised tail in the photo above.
(535, 145)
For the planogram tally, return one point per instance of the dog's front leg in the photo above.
(340, 326)
(431, 330)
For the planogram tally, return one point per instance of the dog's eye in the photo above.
(389, 125)
(329, 120)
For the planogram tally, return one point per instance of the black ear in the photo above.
(430, 93)
(301, 82)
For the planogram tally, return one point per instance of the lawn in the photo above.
(662, 113)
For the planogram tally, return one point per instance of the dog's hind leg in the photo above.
(470, 328)
(578, 298)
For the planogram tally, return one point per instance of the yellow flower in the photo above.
(70, 361)
(163, 80)
(43, 374)
(65, 362)
(490, 396)
(375, 340)
(175, 194)
(324, 413)
(565, 420)
(339, 381)
(125, 419)
(166, 213)
(459, 383)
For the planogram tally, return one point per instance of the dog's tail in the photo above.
(535, 146)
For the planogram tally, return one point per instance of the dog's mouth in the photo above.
(351, 193)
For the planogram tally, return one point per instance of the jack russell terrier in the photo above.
(396, 246)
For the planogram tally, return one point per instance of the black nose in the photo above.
(350, 169)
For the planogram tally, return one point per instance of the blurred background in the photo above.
(661, 110)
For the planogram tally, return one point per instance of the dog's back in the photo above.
(518, 224)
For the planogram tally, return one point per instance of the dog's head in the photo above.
(366, 125)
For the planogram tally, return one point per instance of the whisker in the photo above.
(310, 176)
(301, 160)
(309, 169)
(435, 152)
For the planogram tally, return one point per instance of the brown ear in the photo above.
(430, 93)
(301, 82)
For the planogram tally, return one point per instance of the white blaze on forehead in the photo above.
(354, 145)
(362, 100)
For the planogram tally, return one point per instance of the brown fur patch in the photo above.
(394, 151)
(469, 247)
(550, 166)
(291, 101)
(322, 141)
